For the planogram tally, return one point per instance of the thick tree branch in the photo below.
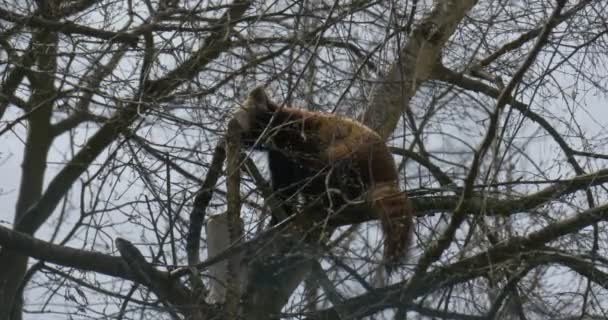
(201, 201)
(65, 256)
(429, 205)
(131, 267)
(482, 204)
(169, 292)
(233, 211)
(466, 269)
(74, 7)
(67, 27)
(413, 66)
(73, 121)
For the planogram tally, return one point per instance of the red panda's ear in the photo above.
(258, 99)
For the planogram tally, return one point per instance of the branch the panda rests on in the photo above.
(328, 160)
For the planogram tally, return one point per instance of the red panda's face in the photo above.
(257, 102)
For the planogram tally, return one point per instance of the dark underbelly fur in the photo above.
(324, 191)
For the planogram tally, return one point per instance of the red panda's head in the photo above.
(256, 104)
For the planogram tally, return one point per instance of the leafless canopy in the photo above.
(113, 121)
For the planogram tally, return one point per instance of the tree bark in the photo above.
(38, 141)
(414, 64)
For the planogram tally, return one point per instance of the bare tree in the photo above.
(494, 110)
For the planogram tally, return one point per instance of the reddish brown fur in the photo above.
(317, 141)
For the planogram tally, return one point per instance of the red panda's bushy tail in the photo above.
(396, 216)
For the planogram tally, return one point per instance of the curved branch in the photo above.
(449, 76)
(45, 251)
(441, 177)
(528, 36)
(580, 265)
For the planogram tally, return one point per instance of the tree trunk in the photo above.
(40, 107)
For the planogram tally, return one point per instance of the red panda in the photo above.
(333, 159)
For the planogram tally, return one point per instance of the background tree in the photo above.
(118, 111)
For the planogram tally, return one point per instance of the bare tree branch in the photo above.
(433, 253)
(214, 45)
(465, 269)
